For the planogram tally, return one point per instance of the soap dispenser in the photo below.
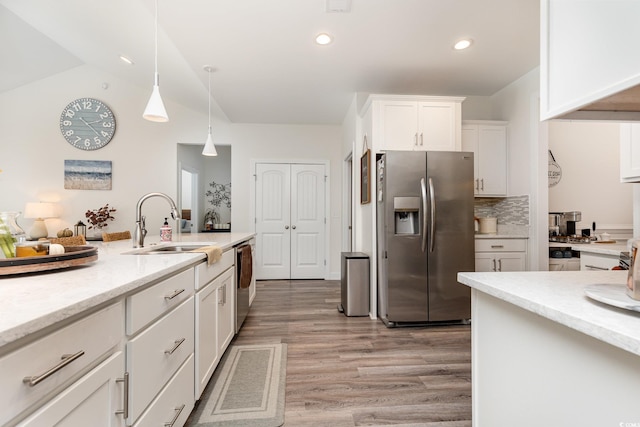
(165, 232)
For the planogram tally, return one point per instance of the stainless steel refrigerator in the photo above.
(425, 236)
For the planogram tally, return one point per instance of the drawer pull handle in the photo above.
(66, 359)
(595, 267)
(175, 417)
(176, 344)
(497, 246)
(124, 412)
(174, 294)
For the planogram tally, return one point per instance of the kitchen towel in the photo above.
(246, 269)
(214, 253)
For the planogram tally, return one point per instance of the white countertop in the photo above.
(559, 296)
(602, 248)
(34, 301)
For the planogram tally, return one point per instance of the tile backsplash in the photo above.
(509, 210)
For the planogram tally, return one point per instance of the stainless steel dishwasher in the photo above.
(244, 274)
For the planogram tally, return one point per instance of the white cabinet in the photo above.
(98, 392)
(215, 316)
(488, 142)
(585, 59)
(38, 371)
(591, 261)
(414, 122)
(160, 329)
(501, 254)
(629, 152)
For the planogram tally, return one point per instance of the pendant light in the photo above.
(209, 148)
(155, 110)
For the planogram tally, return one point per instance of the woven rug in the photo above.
(247, 389)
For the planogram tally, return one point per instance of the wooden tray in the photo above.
(74, 255)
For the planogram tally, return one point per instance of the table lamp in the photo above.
(40, 211)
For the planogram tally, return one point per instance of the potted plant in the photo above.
(99, 218)
(211, 217)
(218, 195)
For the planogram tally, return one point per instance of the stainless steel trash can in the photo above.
(354, 298)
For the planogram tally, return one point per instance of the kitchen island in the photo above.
(545, 354)
(124, 330)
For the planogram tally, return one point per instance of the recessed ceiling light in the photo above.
(462, 44)
(323, 38)
(126, 60)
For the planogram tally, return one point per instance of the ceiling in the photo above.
(267, 67)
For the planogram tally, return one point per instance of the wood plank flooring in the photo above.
(353, 371)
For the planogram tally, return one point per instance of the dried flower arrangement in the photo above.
(98, 217)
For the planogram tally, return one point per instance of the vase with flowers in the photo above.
(99, 218)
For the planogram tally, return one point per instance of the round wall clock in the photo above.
(87, 124)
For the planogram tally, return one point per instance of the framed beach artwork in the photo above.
(87, 174)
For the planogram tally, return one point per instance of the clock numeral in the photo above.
(76, 107)
(104, 133)
(69, 132)
(70, 114)
(77, 139)
(98, 109)
(107, 124)
(104, 115)
(87, 105)
(87, 142)
(66, 123)
(96, 139)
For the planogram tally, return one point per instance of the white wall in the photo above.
(286, 142)
(143, 153)
(527, 165)
(589, 155)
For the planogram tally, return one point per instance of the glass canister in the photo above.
(10, 234)
(633, 279)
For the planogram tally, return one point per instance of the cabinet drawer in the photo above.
(598, 262)
(205, 273)
(501, 245)
(174, 402)
(91, 338)
(147, 305)
(157, 353)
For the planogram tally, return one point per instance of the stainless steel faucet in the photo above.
(140, 232)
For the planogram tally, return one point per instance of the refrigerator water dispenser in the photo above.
(406, 210)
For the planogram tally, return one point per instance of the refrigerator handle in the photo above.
(432, 226)
(423, 194)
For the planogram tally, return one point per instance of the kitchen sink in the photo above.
(171, 249)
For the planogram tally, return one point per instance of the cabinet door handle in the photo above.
(66, 359)
(124, 412)
(477, 184)
(293, 226)
(286, 227)
(421, 138)
(494, 265)
(499, 265)
(482, 184)
(595, 267)
(416, 139)
(174, 294)
(176, 344)
(497, 246)
(223, 301)
(175, 417)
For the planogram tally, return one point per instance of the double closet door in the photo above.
(290, 221)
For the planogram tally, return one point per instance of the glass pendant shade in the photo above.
(209, 148)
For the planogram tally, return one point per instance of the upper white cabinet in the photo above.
(488, 142)
(414, 123)
(629, 152)
(587, 70)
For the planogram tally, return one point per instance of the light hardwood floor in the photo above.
(353, 371)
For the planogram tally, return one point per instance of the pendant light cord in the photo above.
(156, 47)
(209, 71)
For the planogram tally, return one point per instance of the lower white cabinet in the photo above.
(94, 400)
(174, 404)
(501, 254)
(215, 326)
(590, 261)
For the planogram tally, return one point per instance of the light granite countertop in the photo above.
(560, 297)
(602, 248)
(32, 302)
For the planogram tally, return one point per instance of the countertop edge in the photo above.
(588, 327)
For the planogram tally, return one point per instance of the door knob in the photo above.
(293, 226)
(286, 227)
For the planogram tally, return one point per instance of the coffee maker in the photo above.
(566, 222)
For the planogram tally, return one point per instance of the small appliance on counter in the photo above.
(565, 222)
